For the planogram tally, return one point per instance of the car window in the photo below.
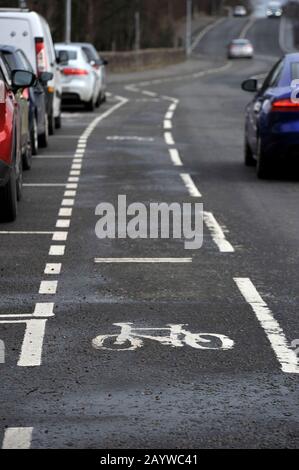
(91, 55)
(25, 62)
(10, 59)
(295, 71)
(5, 70)
(72, 54)
(273, 77)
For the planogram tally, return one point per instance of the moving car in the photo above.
(29, 30)
(38, 122)
(240, 48)
(80, 81)
(272, 117)
(10, 139)
(99, 64)
(240, 11)
(274, 10)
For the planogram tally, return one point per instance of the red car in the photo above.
(10, 140)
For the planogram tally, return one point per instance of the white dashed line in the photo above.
(286, 356)
(175, 157)
(167, 124)
(168, 138)
(57, 250)
(48, 287)
(53, 268)
(17, 438)
(190, 185)
(217, 233)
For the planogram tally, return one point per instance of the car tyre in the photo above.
(262, 167)
(51, 121)
(8, 198)
(43, 139)
(58, 122)
(34, 137)
(90, 105)
(27, 156)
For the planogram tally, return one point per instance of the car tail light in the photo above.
(286, 105)
(41, 58)
(74, 71)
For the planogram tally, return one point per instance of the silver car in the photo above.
(240, 48)
(80, 81)
(98, 63)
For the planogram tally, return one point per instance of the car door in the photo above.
(255, 108)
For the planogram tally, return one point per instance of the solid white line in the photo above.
(53, 268)
(286, 356)
(44, 185)
(190, 185)
(17, 438)
(205, 31)
(139, 139)
(247, 27)
(57, 250)
(175, 157)
(25, 233)
(48, 287)
(143, 260)
(168, 138)
(217, 233)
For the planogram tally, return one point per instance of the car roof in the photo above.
(68, 47)
(9, 48)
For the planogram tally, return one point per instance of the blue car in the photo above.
(272, 117)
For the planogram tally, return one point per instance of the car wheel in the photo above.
(262, 167)
(34, 137)
(27, 156)
(90, 105)
(249, 160)
(20, 182)
(51, 121)
(8, 198)
(58, 122)
(43, 139)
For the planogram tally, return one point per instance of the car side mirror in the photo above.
(46, 77)
(250, 85)
(22, 79)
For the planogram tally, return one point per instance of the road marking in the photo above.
(143, 260)
(31, 352)
(175, 157)
(138, 139)
(48, 287)
(60, 236)
(149, 93)
(65, 212)
(17, 438)
(53, 268)
(168, 138)
(247, 27)
(167, 124)
(68, 202)
(57, 250)
(44, 310)
(169, 115)
(44, 185)
(285, 355)
(190, 185)
(217, 233)
(63, 223)
(25, 233)
(131, 338)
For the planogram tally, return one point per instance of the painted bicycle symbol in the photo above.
(131, 338)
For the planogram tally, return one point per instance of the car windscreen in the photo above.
(71, 53)
(10, 59)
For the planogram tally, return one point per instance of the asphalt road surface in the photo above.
(64, 383)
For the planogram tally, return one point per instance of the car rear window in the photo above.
(72, 54)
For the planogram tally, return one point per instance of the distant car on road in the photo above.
(240, 49)
(240, 11)
(38, 122)
(80, 81)
(274, 10)
(272, 117)
(10, 139)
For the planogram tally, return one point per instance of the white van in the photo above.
(29, 31)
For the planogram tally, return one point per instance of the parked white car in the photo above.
(99, 64)
(29, 30)
(80, 81)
